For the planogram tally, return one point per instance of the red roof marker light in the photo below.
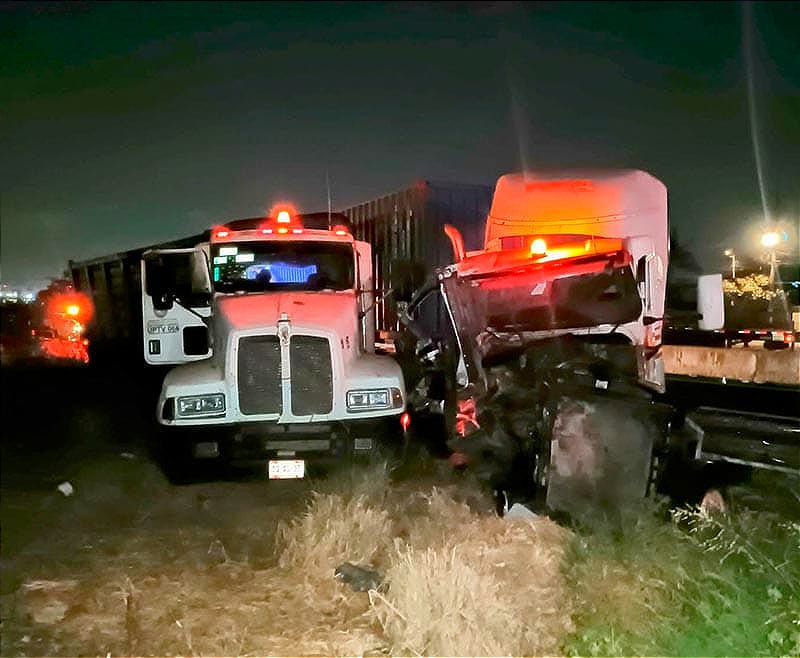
(538, 247)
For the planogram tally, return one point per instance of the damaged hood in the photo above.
(530, 301)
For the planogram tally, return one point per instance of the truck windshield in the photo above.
(276, 265)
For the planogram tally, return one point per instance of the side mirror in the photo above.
(710, 302)
(158, 284)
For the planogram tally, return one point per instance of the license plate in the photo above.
(286, 469)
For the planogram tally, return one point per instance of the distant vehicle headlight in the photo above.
(195, 405)
(368, 400)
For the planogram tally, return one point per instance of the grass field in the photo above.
(136, 566)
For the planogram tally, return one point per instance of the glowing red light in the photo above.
(266, 231)
(466, 417)
(73, 310)
(297, 231)
(405, 420)
(283, 230)
(222, 233)
(652, 334)
(284, 217)
(538, 247)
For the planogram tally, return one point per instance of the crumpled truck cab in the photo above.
(552, 357)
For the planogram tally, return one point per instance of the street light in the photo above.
(770, 240)
(730, 253)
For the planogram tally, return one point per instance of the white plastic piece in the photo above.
(66, 488)
(518, 511)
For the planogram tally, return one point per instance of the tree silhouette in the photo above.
(680, 257)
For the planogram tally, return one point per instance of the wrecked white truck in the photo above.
(544, 365)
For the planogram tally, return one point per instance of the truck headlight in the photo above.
(194, 405)
(368, 400)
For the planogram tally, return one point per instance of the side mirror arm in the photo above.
(363, 313)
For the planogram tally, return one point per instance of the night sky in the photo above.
(123, 125)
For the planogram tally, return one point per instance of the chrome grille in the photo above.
(260, 375)
(312, 376)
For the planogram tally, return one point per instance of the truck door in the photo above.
(176, 306)
(366, 295)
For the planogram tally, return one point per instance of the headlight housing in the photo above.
(196, 405)
(374, 399)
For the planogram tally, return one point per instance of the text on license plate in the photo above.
(286, 469)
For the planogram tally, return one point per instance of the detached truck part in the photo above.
(553, 357)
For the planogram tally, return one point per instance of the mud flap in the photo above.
(600, 457)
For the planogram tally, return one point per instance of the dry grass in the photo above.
(460, 582)
(491, 587)
(131, 565)
(221, 570)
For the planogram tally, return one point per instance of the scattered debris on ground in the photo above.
(360, 579)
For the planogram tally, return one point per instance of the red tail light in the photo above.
(652, 334)
(405, 421)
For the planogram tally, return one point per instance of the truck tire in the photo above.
(599, 458)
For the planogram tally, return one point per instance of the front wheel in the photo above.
(600, 458)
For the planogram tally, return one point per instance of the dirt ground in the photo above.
(122, 562)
